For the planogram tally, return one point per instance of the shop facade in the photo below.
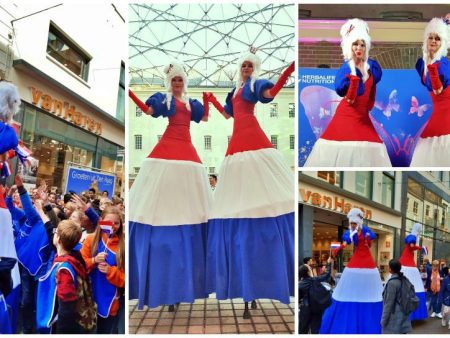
(322, 217)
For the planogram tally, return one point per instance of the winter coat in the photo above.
(394, 320)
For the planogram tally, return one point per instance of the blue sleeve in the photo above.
(410, 239)
(228, 104)
(366, 230)
(16, 213)
(197, 110)
(158, 104)
(30, 212)
(420, 67)
(375, 70)
(92, 215)
(260, 87)
(346, 237)
(8, 137)
(341, 82)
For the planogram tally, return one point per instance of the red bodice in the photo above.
(247, 133)
(362, 257)
(439, 122)
(407, 257)
(175, 144)
(351, 122)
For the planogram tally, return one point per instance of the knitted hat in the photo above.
(351, 31)
(9, 101)
(173, 69)
(256, 62)
(437, 26)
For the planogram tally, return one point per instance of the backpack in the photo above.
(319, 296)
(85, 307)
(408, 301)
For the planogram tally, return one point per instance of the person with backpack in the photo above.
(444, 298)
(396, 301)
(314, 298)
(62, 305)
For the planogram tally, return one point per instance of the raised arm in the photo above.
(146, 109)
(209, 97)
(272, 92)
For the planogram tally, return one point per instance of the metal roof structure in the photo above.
(209, 38)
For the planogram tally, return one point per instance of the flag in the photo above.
(335, 245)
(5, 169)
(425, 251)
(106, 227)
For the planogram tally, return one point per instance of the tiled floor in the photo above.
(212, 316)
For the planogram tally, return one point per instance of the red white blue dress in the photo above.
(250, 247)
(169, 206)
(433, 147)
(410, 270)
(357, 301)
(351, 139)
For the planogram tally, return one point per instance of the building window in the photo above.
(61, 48)
(137, 142)
(427, 210)
(291, 108)
(136, 170)
(363, 183)
(138, 112)
(387, 189)
(120, 109)
(212, 170)
(207, 142)
(331, 177)
(274, 110)
(229, 139)
(159, 137)
(274, 140)
(415, 207)
(291, 142)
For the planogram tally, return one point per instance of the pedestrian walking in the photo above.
(394, 319)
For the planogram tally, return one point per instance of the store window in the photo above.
(274, 140)
(363, 183)
(62, 49)
(138, 142)
(274, 110)
(208, 142)
(120, 109)
(387, 189)
(291, 108)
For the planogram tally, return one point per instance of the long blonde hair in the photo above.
(120, 255)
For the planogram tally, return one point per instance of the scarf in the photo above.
(435, 281)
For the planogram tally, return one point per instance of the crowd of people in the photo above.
(407, 294)
(66, 271)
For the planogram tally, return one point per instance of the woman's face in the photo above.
(115, 219)
(359, 50)
(246, 69)
(353, 225)
(433, 43)
(177, 85)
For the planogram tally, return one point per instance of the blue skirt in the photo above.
(421, 312)
(251, 258)
(166, 264)
(352, 318)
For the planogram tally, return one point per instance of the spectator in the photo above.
(444, 298)
(310, 319)
(423, 275)
(394, 320)
(435, 286)
(213, 181)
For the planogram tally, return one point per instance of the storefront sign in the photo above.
(64, 110)
(334, 203)
(79, 180)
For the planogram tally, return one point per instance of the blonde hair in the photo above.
(69, 234)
